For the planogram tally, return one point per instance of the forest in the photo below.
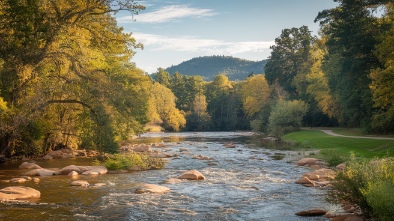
(67, 79)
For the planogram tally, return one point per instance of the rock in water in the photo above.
(27, 165)
(312, 212)
(18, 193)
(151, 188)
(40, 172)
(80, 183)
(192, 175)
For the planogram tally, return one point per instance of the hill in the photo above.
(209, 66)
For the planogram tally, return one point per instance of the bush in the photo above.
(367, 184)
(126, 161)
(333, 157)
(286, 117)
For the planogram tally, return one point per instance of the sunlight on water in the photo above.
(241, 183)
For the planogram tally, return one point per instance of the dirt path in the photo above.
(329, 132)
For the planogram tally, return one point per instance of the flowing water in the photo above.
(243, 183)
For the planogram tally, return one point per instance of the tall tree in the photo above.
(288, 57)
(67, 63)
(382, 85)
(351, 31)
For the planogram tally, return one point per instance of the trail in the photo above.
(329, 132)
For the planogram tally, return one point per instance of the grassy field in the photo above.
(367, 148)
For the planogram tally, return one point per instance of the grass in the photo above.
(366, 148)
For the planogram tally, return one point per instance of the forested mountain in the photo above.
(209, 66)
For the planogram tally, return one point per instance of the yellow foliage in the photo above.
(255, 94)
(318, 83)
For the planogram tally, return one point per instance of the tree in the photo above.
(66, 73)
(288, 58)
(286, 117)
(318, 86)
(382, 85)
(351, 32)
(162, 77)
(255, 93)
(163, 102)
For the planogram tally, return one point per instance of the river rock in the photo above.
(73, 173)
(47, 157)
(305, 181)
(40, 172)
(18, 180)
(307, 161)
(27, 165)
(57, 154)
(79, 183)
(142, 148)
(192, 175)
(320, 174)
(68, 169)
(18, 193)
(151, 188)
(312, 212)
(93, 170)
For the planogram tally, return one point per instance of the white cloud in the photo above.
(168, 13)
(206, 46)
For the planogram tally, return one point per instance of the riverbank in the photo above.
(242, 182)
(342, 146)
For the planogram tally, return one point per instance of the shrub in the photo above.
(286, 116)
(126, 161)
(368, 184)
(333, 157)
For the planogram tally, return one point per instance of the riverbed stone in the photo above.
(320, 174)
(305, 181)
(18, 180)
(73, 173)
(142, 148)
(47, 157)
(27, 165)
(80, 183)
(192, 175)
(68, 169)
(307, 161)
(93, 170)
(18, 193)
(40, 172)
(312, 212)
(151, 188)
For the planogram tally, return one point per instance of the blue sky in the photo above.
(174, 31)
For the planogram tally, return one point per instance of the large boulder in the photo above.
(27, 165)
(151, 188)
(40, 172)
(68, 169)
(18, 193)
(320, 174)
(93, 170)
(192, 175)
(307, 161)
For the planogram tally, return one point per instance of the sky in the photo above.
(173, 31)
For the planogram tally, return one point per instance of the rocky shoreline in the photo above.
(320, 177)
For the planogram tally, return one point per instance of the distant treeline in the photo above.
(67, 80)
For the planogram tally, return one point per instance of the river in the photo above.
(242, 183)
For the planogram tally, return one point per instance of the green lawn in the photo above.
(367, 148)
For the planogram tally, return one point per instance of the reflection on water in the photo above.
(242, 183)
